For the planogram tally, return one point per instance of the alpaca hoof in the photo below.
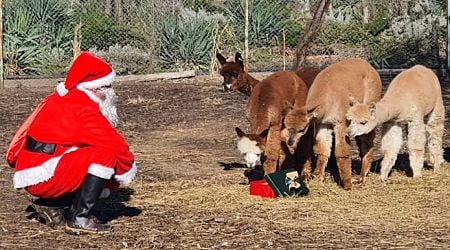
(417, 176)
(383, 178)
(306, 176)
(359, 180)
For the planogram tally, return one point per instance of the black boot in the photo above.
(79, 218)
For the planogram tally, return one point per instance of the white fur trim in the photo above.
(245, 145)
(126, 178)
(100, 82)
(38, 174)
(89, 93)
(61, 89)
(101, 171)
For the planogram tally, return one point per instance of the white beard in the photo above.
(108, 106)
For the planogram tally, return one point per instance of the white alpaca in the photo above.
(414, 97)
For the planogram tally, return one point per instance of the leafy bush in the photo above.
(101, 31)
(197, 5)
(267, 20)
(127, 59)
(351, 33)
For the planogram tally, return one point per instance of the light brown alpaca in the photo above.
(414, 96)
(266, 109)
(235, 78)
(326, 106)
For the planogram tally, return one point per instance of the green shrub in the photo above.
(197, 5)
(101, 31)
(351, 33)
(127, 59)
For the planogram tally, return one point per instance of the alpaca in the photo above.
(414, 96)
(266, 109)
(235, 78)
(326, 106)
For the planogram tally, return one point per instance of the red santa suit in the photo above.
(67, 137)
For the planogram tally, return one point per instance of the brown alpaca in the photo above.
(235, 78)
(414, 96)
(266, 109)
(326, 106)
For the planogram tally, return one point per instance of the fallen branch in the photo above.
(156, 77)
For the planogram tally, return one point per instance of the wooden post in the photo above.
(246, 36)
(448, 41)
(284, 50)
(2, 73)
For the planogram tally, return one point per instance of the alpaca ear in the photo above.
(221, 59)
(239, 132)
(238, 59)
(311, 115)
(372, 110)
(352, 101)
(264, 134)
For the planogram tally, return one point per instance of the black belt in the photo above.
(39, 147)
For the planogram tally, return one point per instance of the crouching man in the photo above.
(68, 153)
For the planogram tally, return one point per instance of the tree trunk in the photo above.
(118, 8)
(366, 11)
(310, 33)
(108, 7)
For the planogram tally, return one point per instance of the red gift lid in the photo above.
(261, 188)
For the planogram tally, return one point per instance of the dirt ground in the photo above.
(190, 192)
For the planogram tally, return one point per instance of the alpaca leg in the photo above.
(304, 149)
(342, 152)
(435, 129)
(416, 146)
(272, 150)
(281, 156)
(322, 150)
(366, 149)
(391, 143)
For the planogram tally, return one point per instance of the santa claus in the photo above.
(68, 152)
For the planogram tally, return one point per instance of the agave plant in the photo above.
(267, 19)
(32, 30)
(186, 39)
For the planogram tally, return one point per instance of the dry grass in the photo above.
(184, 197)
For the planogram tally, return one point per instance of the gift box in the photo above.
(287, 183)
(261, 188)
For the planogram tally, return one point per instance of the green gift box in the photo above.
(287, 183)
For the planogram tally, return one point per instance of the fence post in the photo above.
(246, 36)
(2, 82)
(448, 41)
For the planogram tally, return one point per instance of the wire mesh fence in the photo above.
(148, 36)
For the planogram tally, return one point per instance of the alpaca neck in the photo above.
(384, 112)
(250, 82)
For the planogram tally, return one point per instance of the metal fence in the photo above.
(40, 37)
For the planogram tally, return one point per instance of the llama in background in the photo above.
(235, 78)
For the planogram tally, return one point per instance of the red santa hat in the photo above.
(87, 71)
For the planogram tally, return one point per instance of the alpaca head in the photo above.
(296, 124)
(251, 146)
(231, 71)
(361, 118)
